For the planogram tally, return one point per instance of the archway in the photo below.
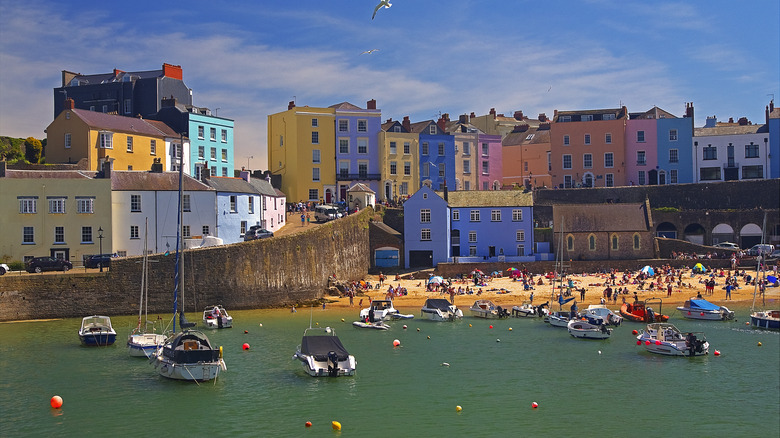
(694, 233)
(667, 230)
(587, 179)
(722, 233)
(749, 235)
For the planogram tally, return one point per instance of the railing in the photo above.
(358, 176)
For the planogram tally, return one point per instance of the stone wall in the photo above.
(262, 273)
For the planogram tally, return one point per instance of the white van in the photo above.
(762, 249)
(324, 213)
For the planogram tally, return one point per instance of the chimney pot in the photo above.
(492, 111)
(291, 105)
(519, 115)
(371, 104)
(407, 124)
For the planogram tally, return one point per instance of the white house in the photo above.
(273, 201)
(238, 207)
(730, 151)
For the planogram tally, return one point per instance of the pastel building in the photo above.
(273, 201)
(526, 156)
(437, 155)
(675, 149)
(498, 124)
(658, 147)
(357, 151)
(399, 151)
(773, 124)
(489, 162)
(467, 164)
(730, 151)
(238, 207)
(426, 229)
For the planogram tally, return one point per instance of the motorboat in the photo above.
(142, 341)
(323, 355)
(96, 330)
(527, 310)
(639, 312)
(666, 339)
(189, 355)
(608, 317)
(383, 310)
(766, 319)
(216, 317)
(486, 309)
(439, 309)
(558, 319)
(583, 329)
(699, 308)
(376, 325)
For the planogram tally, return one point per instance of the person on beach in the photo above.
(728, 291)
(303, 219)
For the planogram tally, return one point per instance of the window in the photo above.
(567, 181)
(456, 215)
(106, 140)
(484, 185)
(224, 136)
(67, 141)
(608, 138)
(28, 235)
(315, 123)
(586, 118)
(213, 170)
(134, 232)
(710, 153)
(315, 174)
(432, 129)
(673, 176)
(570, 243)
(672, 135)
(206, 230)
(520, 236)
(344, 169)
(213, 134)
(393, 167)
(153, 147)
(640, 158)
(242, 228)
(610, 178)
(362, 125)
(363, 170)
(607, 117)
(59, 234)
(752, 172)
(609, 159)
(186, 204)
(213, 155)
(315, 156)
(129, 144)
(640, 136)
(587, 161)
(233, 202)
(564, 119)
(407, 168)
(637, 241)
(28, 206)
(201, 152)
(592, 242)
(251, 202)
(614, 242)
(472, 236)
(466, 166)
(587, 138)
(56, 205)
(407, 148)
(201, 131)
(442, 168)
(751, 150)
(565, 140)
(641, 178)
(466, 185)
(135, 203)
(343, 145)
(474, 216)
(517, 215)
(86, 235)
(424, 148)
(315, 137)
(472, 251)
(85, 205)
(343, 125)
(224, 156)
(566, 161)
(441, 149)
(393, 148)
(224, 171)
(404, 189)
(495, 215)
(485, 167)
(105, 108)
(485, 150)
(362, 145)
(185, 231)
(128, 106)
(466, 148)
(425, 234)
(425, 215)
(520, 250)
(673, 156)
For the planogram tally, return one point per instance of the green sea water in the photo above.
(582, 387)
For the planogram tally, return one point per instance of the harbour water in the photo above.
(582, 387)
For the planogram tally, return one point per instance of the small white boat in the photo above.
(608, 317)
(439, 309)
(142, 341)
(585, 330)
(189, 356)
(376, 325)
(216, 317)
(383, 310)
(666, 339)
(558, 319)
(96, 330)
(528, 310)
(486, 309)
(322, 354)
(699, 308)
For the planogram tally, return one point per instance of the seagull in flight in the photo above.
(368, 52)
(385, 3)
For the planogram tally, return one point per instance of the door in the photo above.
(420, 259)
(386, 258)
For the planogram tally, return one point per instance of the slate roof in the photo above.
(489, 198)
(730, 129)
(520, 138)
(231, 185)
(586, 218)
(385, 228)
(151, 181)
(652, 113)
(345, 106)
(422, 127)
(109, 77)
(116, 123)
(618, 112)
(49, 174)
(360, 187)
(263, 187)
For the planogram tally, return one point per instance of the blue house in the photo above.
(675, 149)
(357, 146)
(238, 207)
(437, 155)
(426, 229)
(773, 123)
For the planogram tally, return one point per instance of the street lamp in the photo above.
(100, 237)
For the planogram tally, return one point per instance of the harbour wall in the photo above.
(264, 273)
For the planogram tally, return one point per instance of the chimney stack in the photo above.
(69, 104)
(493, 112)
(291, 105)
(731, 119)
(205, 174)
(442, 123)
(462, 118)
(244, 175)
(471, 116)
(542, 117)
(172, 71)
(407, 124)
(371, 104)
(743, 121)
(519, 115)
(107, 168)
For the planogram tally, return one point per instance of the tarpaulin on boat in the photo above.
(438, 303)
(703, 305)
(319, 347)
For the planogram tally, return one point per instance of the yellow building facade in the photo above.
(399, 161)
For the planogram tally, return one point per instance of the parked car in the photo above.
(761, 249)
(4, 268)
(257, 232)
(727, 245)
(774, 256)
(98, 260)
(40, 264)
(326, 212)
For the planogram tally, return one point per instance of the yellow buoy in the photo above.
(759, 344)
(510, 329)
(469, 325)
(220, 351)
(335, 425)
(458, 408)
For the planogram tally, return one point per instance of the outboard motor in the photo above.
(333, 364)
(649, 315)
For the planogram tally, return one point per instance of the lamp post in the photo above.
(100, 238)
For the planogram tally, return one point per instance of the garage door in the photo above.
(420, 259)
(386, 258)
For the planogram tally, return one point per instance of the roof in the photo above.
(385, 228)
(231, 184)
(583, 218)
(345, 106)
(263, 187)
(652, 113)
(489, 198)
(163, 128)
(152, 181)
(360, 187)
(730, 129)
(131, 125)
(49, 174)
(110, 77)
(520, 138)
(618, 112)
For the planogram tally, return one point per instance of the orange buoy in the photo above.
(335, 425)
(245, 346)
(246, 331)
(396, 343)
(56, 402)
(510, 329)
(534, 405)
(308, 424)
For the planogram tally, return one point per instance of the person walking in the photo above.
(303, 219)
(728, 291)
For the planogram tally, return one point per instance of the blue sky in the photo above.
(250, 58)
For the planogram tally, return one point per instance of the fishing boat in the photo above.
(528, 310)
(383, 310)
(439, 309)
(699, 308)
(142, 342)
(583, 329)
(323, 355)
(486, 309)
(96, 330)
(666, 339)
(600, 310)
(765, 319)
(216, 317)
(640, 312)
(376, 325)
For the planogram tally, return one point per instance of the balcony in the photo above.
(358, 176)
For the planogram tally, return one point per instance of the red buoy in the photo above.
(490, 326)
(638, 342)
(56, 402)
(634, 332)
(245, 346)
(647, 342)
(308, 424)
(717, 353)
(657, 342)
(534, 405)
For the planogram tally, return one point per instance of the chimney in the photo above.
(205, 174)
(711, 122)
(492, 112)
(463, 118)
(291, 105)
(766, 115)
(172, 71)
(519, 115)
(107, 168)
(390, 120)
(69, 104)
(743, 121)
(542, 117)
(555, 114)
(371, 104)
(407, 124)
(157, 166)
(521, 128)
(544, 126)
(244, 175)
(446, 117)
(731, 119)
(472, 115)
(442, 123)
(771, 105)
(446, 192)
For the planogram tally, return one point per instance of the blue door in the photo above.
(386, 258)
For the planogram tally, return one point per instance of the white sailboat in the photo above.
(765, 319)
(142, 342)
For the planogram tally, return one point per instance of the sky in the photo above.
(246, 60)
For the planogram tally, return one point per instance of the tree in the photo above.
(32, 150)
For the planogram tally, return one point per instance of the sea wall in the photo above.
(262, 273)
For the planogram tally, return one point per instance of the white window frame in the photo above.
(213, 134)
(407, 168)
(134, 232)
(362, 125)
(587, 139)
(28, 205)
(135, 204)
(362, 143)
(343, 125)
(609, 157)
(85, 205)
(57, 205)
(425, 215)
(520, 236)
(316, 155)
(455, 215)
(474, 216)
(315, 137)
(608, 138)
(153, 147)
(315, 123)
(67, 140)
(495, 215)
(425, 234)
(393, 148)
(517, 215)
(201, 132)
(393, 168)
(587, 161)
(224, 136)
(315, 174)
(566, 140)
(672, 135)
(566, 158)
(472, 237)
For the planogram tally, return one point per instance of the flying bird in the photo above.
(385, 3)
(368, 52)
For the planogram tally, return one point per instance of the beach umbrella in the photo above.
(699, 267)
(512, 269)
(648, 270)
(436, 279)
(771, 278)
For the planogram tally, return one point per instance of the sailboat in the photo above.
(560, 318)
(187, 355)
(766, 319)
(142, 343)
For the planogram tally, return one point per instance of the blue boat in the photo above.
(699, 308)
(97, 331)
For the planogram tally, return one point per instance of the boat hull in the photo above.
(316, 368)
(704, 315)
(766, 320)
(584, 330)
(144, 344)
(378, 325)
(200, 372)
(667, 340)
(212, 323)
(97, 339)
(437, 316)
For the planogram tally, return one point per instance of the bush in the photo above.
(33, 150)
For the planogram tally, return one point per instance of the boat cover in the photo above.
(703, 305)
(319, 346)
(438, 303)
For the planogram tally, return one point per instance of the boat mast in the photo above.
(179, 153)
(558, 263)
(758, 269)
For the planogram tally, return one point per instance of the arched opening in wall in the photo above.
(592, 242)
(694, 233)
(661, 178)
(615, 242)
(749, 235)
(386, 257)
(496, 185)
(667, 230)
(328, 196)
(587, 179)
(722, 233)
(388, 190)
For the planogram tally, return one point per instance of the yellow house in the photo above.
(131, 143)
(302, 149)
(399, 156)
(57, 213)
